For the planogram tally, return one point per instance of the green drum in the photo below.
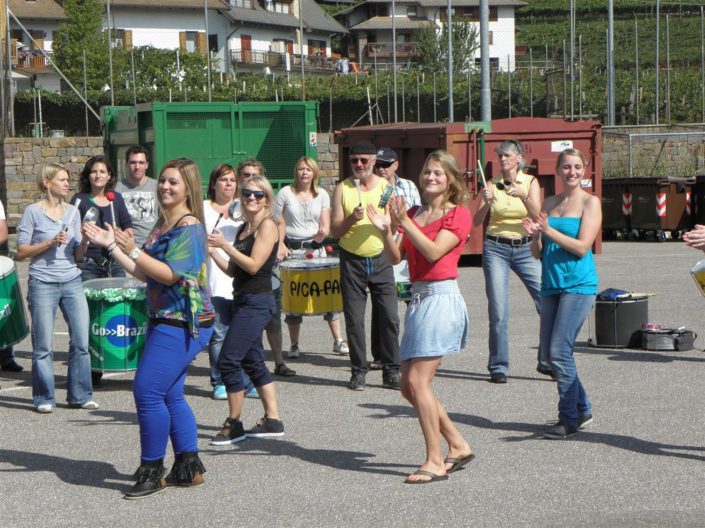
(118, 324)
(13, 320)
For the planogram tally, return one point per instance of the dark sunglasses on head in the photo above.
(246, 193)
(364, 161)
(383, 164)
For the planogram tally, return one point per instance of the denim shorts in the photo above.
(436, 321)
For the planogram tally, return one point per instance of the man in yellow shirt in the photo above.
(364, 265)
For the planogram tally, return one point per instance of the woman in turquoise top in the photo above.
(562, 236)
(173, 264)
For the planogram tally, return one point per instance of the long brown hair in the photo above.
(457, 192)
(192, 180)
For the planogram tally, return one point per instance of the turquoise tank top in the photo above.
(562, 271)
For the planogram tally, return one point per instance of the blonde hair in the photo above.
(313, 165)
(48, 172)
(570, 152)
(192, 180)
(262, 184)
(457, 192)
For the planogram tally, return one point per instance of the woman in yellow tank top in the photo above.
(512, 196)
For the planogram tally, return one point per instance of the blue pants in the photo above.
(561, 318)
(497, 261)
(162, 410)
(43, 300)
(242, 348)
(223, 317)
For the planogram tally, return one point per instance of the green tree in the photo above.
(82, 31)
(433, 46)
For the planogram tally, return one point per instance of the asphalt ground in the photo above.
(345, 454)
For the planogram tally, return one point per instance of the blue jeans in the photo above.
(562, 316)
(223, 318)
(43, 299)
(242, 349)
(162, 410)
(497, 260)
(90, 269)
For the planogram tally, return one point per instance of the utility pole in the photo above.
(485, 95)
(450, 62)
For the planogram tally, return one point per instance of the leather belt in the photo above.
(515, 242)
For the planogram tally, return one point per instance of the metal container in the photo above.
(277, 134)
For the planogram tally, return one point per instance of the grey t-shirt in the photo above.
(141, 201)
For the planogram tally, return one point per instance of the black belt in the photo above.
(516, 242)
(181, 324)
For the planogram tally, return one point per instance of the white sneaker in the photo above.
(341, 347)
(90, 405)
(294, 351)
(44, 408)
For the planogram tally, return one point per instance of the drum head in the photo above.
(7, 266)
(314, 263)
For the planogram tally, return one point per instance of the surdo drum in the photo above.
(311, 287)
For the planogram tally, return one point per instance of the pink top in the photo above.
(458, 222)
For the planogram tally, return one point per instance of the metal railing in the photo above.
(383, 50)
(275, 59)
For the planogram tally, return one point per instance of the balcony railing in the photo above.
(32, 60)
(383, 50)
(274, 59)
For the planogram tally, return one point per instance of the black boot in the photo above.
(187, 470)
(149, 478)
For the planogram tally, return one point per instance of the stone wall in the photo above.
(21, 159)
(671, 154)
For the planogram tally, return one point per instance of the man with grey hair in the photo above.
(363, 266)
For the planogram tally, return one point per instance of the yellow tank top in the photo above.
(363, 239)
(507, 212)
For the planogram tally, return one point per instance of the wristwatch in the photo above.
(134, 254)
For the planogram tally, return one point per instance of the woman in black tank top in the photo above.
(250, 263)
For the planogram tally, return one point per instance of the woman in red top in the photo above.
(432, 237)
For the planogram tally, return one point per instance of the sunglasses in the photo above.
(246, 193)
(363, 161)
(383, 164)
(503, 185)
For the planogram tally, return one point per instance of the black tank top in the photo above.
(260, 282)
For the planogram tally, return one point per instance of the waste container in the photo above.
(542, 139)
(118, 324)
(661, 205)
(616, 205)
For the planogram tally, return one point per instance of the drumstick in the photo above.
(216, 223)
(359, 193)
(482, 174)
(111, 196)
(72, 215)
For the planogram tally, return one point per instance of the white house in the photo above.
(266, 35)
(370, 27)
(41, 18)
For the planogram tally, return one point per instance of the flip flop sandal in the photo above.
(458, 463)
(434, 477)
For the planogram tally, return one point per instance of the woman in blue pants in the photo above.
(173, 264)
(562, 236)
